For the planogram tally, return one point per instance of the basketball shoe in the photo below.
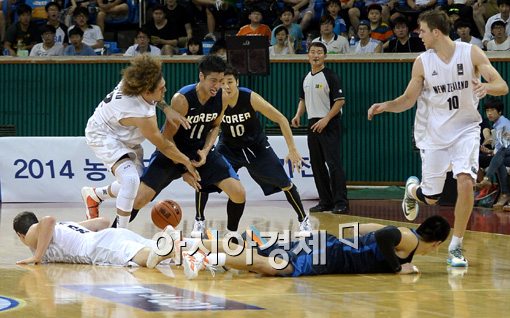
(456, 259)
(194, 263)
(91, 201)
(198, 229)
(305, 228)
(409, 205)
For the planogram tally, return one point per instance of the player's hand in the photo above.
(188, 178)
(320, 125)
(479, 88)
(295, 122)
(30, 260)
(295, 158)
(376, 109)
(409, 268)
(202, 154)
(175, 119)
(193, 171)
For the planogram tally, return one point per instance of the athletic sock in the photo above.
(122, 221)
(455, 242)
(201, 199)
(234, 212)
(295, 201)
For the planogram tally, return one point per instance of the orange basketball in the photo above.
(166, 212)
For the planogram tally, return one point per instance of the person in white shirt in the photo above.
(283, 44)
(504, 15)
(142, 45)
(446, 83)
(48, 47)
(334, 43)
(366, 44)
(463, 29)
(92, 35)
(501, 40)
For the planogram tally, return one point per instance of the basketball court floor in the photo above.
(62, 290)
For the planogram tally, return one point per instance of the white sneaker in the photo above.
(456, 259)
(219, 3)
(305, 228)
(198, 229)
(194, 263)
(410, 206)
(91, 201)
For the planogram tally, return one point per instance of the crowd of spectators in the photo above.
(172, 27)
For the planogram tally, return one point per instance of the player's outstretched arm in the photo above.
(172, 117)
(96, 224)
(407, 99)
(268, 110)
(39, 237)
(495, 85)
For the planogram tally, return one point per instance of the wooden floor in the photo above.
(58, 290)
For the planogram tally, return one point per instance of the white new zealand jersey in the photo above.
(447, 107)
(73, 243)
(105, 120)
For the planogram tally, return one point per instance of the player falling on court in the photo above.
(120, 123)
(88, 242)
(445, 81)
(244, 144)
(380, 249)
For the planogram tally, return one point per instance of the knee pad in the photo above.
(423, 198)
(127, 176)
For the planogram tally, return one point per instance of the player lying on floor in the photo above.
(381, 249)
(87, 242)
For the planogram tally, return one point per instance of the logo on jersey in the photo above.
(460, 69)
(202, 118)
(450, 87)
(434, 73)
(319, 86)
(236, 118)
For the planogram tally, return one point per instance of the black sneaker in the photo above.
(319, 208)
(341, 209)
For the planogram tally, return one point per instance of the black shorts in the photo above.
(262, 164)
(162, 171)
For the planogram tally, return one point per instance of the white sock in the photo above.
(455, 242)
(102, 193)
(122, 221)
(217, 258)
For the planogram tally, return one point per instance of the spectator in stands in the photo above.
(110, 9)
(463, 29)
(194, 47)
(305, 9)
(286, 18)
(268, 8)
(219, 48)
(53, 11)
(482, 11)
(92, 35)
(203, 22)
(255, 27)
(334, 43)
(366, 44)
(161, 31)
(333, 9)
(504, 15)
(501, 40)
(501, 153)
(454, 16)
(39, 15)
(89, 5)
(142, 45)
(77, 46)
(380, 30)
(179, 21)
(283, 43)
(403, 42)
(22, 35)
(360, 10)
(48, 47)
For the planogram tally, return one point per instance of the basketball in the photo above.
(166, 212)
